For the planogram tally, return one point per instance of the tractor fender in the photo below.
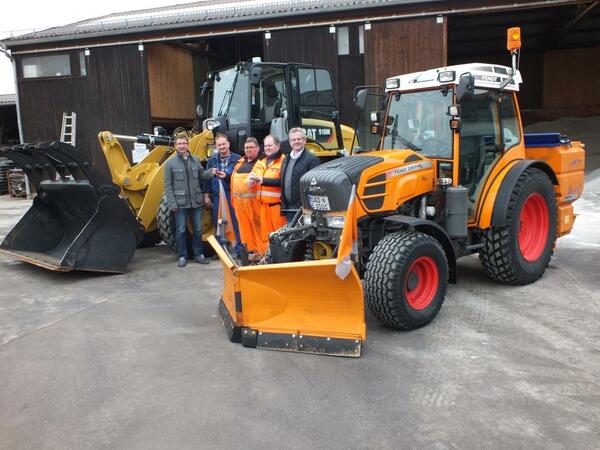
(508, 186)
(434, 230)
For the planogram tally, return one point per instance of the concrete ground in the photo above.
(141, 361)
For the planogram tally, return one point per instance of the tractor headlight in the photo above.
(335, 221)
(446, 76)
(211, 124)
(392, 83)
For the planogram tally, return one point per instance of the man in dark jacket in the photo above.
(293, 167)
(183, 188)
(224, 161)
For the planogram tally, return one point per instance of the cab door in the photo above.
(238, 113)
(314, 107)
(489, 128)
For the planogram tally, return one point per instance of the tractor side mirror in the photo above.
(360, 99)
(256, 75)
(465, 88)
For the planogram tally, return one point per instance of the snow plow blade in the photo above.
(296, 307)
(76, 223)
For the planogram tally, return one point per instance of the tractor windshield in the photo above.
(419, 121)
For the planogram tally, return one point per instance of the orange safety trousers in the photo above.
(247, 211)
(270, 200)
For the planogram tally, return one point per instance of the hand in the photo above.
(221, 174)
(207, 200)
(214, 171)
(173, 210)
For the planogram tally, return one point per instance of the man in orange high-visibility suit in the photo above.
(245, 202)
(267, 176)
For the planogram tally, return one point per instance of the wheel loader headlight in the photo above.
(335, 221)
(211, 125)
(307, 218)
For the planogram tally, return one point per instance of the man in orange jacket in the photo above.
(245, 202)
(267, 176)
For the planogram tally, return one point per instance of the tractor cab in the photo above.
(257, 99)
(464, 117)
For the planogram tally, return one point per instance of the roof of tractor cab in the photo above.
(488, 76)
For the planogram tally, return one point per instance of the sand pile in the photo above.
(586, 130)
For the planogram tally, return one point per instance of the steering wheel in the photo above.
(433, 145)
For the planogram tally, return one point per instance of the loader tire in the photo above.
(405, 280)
(150, 239)
(519, 252)
(165, 222)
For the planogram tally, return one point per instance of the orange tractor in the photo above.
(452, 175)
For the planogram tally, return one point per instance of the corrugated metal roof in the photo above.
(207, 12)
(8, 99)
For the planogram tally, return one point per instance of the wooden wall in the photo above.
(404, 46)
(112, 96)
(171, 84)
(570, 78)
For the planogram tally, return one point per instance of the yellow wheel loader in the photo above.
(452, 174)
(74, 216)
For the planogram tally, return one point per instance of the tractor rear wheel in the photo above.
(406, 279)
(519, 252)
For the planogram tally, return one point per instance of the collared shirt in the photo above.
(295, 155)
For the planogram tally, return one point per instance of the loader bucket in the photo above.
(73, 224)
(295, 307)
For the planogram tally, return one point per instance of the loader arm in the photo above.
(143, 183)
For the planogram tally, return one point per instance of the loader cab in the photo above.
(257, 99)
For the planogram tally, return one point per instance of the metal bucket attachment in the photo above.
(295, 307)
(73, 224)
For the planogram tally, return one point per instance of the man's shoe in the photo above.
(201, 259)
(181, 262)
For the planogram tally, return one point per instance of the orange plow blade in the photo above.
(295, 307)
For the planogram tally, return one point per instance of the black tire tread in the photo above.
(496, 256)
(163, 222)
(381, 290)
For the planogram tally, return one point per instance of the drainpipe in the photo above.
(7, 53)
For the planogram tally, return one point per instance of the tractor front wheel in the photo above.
(406, 280)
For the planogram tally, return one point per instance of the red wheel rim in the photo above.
(533, 227)
(421, 282)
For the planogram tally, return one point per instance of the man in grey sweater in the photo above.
(293, 167)
(183, 188)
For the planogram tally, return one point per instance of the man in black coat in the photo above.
(296, 164)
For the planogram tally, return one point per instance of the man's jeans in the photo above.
(180, 231)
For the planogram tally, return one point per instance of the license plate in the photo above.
(319, 202)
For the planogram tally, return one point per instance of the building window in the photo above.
(82, 67)
(361, 40)
(47, 66)
(343, 41)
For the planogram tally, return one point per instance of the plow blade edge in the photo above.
(296, 307)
